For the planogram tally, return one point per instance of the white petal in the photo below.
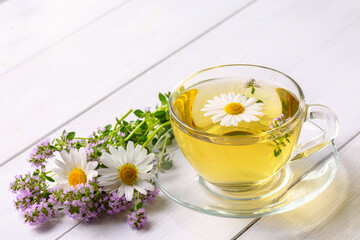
(121, 190)
(61, 175)
(137, 154)
(140, 189)
(109, 161)
(66, 157)
(220, 100)
(146, 185)
(106, 171)
(74, 158)
(226, 121)
(146, 161)
(252, 117)
(111, 186)
(251, 108)
(115, 154)
(83, 158)
(145, 176)
(234, 121)
(249, 102)
(108, 175)
(238, 98)
(129, 192)
(145, 169)
(214, 112)
(60, 164)
(90, 166)
(130, 152)
(213, 103)
(245, 118)
(252, 112)
(218, 117)
(106, 182)
(92, 174)
(242, 99)
(225, 98)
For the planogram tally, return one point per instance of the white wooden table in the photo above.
(77, 65)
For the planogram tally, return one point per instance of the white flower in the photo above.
(230, 109)
(74, 169)
(126, 170)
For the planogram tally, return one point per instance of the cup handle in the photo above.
(317, 111)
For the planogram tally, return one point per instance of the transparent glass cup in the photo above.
(244, 162)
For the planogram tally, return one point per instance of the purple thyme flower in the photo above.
(150, 196)
(40, 153)
(279, 121)
(137, 218)
(39, 213)
(252, 84)
(147, 109)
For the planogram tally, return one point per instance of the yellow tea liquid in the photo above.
(228, 162)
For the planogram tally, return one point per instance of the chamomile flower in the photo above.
(74, 169)
(126, 170)
(230, 109)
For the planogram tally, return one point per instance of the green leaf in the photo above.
(277, 152)
(118, 121)
(108, 127)
(143, 138)
(252, 90)
(139, 205)
(144, 126)
(70, 136)
(162, 99)
(259, 101)
(123, 129)
(49, 179)
(139, 113)
(160, 114)
(166, 165)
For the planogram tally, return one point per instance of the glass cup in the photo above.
(247, 159)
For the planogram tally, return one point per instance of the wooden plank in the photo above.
(29, 27)
(73, 75)
(231, 46)
(333, 215)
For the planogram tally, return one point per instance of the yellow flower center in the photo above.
(77, 176)
(128, 174)
(234, 108)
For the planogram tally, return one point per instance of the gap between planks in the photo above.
(237, 236)
(125, 84)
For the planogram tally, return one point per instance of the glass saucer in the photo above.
(296, 184)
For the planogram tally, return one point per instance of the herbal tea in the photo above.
(235, 107)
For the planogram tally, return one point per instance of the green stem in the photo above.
(133, 132)
(152, 135)
(81, 138)
(122, 118)
(137, 201)
(117, 123)
(162, 153)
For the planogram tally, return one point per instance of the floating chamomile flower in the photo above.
(230, 109)
(126, 170)
(75, 169)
